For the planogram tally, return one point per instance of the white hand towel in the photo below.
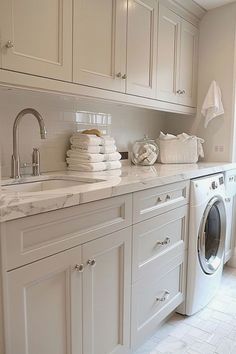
(212, 105)
(94, 149)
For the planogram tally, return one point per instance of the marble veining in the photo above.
(129, 179)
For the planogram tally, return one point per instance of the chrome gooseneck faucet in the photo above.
(15, 167)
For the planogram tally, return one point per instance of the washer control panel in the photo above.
(214, 185)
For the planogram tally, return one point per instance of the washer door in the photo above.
(211, 238)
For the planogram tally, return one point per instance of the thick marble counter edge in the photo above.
(14, 205)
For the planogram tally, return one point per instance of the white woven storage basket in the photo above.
(177, 151)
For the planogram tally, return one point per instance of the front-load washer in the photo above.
(207, 231)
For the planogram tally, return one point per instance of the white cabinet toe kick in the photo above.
(95, 278)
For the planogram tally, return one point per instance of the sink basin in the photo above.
(46, 184)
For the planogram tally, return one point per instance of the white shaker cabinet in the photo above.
(44, 306)
(188, 64)
(177, 59)
(76, 302)
(168, 55)
(99, 43)
(142, 47)
(106, 294)
(37, 37)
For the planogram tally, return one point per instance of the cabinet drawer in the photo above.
(153, 299)
(157, 240)
(28, 239)
(155, 201)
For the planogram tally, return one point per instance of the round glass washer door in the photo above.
(211, 237)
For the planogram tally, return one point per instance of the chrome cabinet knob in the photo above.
(119, 75)
(168, 197)
(79, 267)
(183, 92)
(91, 262)
(163, 243)
(179, 92)
(124, 77)
(164, 297)
(159, 200)
(9, 44)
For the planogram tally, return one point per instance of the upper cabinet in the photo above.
(168, 55)
(142, 47)
(37, 37)
(139, 52)
(188, 64)
(99, 43)
(177, 59)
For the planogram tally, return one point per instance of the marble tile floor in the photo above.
(211, 331)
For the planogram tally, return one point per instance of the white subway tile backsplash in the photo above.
(59, 113)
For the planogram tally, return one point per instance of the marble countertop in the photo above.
(14, 205)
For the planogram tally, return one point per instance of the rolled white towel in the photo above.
(84, 156)
(94, 149)
(93, 140)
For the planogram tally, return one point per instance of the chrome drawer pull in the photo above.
(165, 242)
(91, 262)
(9, 44)
(79, 267)
(164, 297)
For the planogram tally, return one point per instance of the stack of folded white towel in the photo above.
(92, 153)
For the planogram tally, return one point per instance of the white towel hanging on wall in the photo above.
(212, 106)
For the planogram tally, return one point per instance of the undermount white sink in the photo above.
(46, 184)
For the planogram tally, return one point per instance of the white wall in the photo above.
(128, 124)
(216, 62)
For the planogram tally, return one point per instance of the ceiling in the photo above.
(211, 4)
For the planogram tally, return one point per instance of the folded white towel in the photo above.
(109, 149)
(84, 156)
(88, 167)
(93, 140)
(212, 105)
(115, 156)
(95, 167)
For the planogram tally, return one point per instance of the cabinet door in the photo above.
(188, 64)
(40, 37)
(44, 306)
(99, 43)
(142, 47)
(168, 55)
(106, 294)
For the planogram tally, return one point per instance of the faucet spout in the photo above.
(15, 173)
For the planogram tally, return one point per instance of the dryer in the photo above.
(207, 232)
(230, 190)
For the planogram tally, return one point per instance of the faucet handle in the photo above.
(36, 162)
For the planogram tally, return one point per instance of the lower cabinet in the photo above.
(77, 301)
(157, 271)
(44, 306)
(106, 294)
